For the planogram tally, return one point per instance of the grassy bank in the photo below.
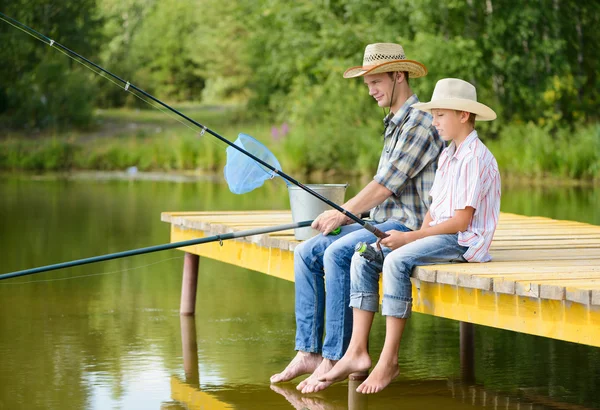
(153, 141)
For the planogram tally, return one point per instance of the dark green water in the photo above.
(113, 339)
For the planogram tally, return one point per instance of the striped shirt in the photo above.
(407, 166)
(468, 176)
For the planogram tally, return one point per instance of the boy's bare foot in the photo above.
(350, 363)
(312, 383)
(380, 377)
(303, 363)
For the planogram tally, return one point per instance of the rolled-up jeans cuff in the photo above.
(396, 307)
(365, 301)
(305, 349)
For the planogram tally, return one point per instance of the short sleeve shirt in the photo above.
(468, 176)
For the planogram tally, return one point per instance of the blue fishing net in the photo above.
(242, 173)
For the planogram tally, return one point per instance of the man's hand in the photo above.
(398, 239)
(329, 220)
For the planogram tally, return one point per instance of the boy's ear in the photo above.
(464, 116)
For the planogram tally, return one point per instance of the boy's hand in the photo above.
(398, 239)
(329, 220)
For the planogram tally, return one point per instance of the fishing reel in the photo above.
(369, 252)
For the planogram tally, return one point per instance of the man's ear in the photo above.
(399, 77)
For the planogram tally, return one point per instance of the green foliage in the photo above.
(39, 87)
(52, 155)
(534, 64)
(347, 142)
(539, 152)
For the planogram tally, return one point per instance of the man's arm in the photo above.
(369, 197)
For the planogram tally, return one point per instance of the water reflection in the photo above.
(116, 340)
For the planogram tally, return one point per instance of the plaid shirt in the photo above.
(407, 166)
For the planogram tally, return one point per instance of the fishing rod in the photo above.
(156, 248)
(203, 128)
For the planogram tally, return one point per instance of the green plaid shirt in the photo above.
(407, 166)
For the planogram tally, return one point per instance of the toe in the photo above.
(320, 386)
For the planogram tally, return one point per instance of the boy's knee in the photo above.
(396, 265)
(357, 267)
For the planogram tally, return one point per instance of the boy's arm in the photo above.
(427, 220)
(458, 223)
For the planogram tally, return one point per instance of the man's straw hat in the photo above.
(385, 58)
(455, 94)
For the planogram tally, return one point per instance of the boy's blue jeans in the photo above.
(397, 268)
(323, 262)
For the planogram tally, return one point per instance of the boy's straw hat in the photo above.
(384, 58)
(455, 94)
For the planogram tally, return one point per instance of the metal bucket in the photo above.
(306, 207)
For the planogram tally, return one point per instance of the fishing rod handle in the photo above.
(378, 233)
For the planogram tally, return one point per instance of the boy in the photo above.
(458, 227)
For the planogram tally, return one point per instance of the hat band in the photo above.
(372, 58)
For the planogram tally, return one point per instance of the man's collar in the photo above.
(404, 110)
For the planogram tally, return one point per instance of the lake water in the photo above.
(109, 335)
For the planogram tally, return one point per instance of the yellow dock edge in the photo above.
(557, 319)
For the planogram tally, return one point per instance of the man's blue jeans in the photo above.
(323, 263)
(397, 268)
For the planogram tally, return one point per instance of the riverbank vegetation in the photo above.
(279, 70)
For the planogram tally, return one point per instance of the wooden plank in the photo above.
(596, 297)
(507, 255)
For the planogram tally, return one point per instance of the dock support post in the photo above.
(467, 352)
(189, 347)
(189, 284)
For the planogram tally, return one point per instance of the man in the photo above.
(398, 198)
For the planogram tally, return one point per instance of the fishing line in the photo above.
(93, 69)
(93, 274)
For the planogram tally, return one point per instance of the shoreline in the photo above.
(187, 176)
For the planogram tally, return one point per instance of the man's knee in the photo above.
(338, 252)
(301, 250)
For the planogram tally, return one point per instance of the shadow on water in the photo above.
(110, 336)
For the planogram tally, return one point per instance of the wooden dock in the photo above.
(544, 278)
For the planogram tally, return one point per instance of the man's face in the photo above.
(380, 87)
(447, 122)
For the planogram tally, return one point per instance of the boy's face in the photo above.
(380, 87)
(450, 124)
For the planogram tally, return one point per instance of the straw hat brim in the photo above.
(414, 69)
(482, 111)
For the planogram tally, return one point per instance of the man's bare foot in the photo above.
(303, 363)
(380, 377)
(312, 383)
(350, 363)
